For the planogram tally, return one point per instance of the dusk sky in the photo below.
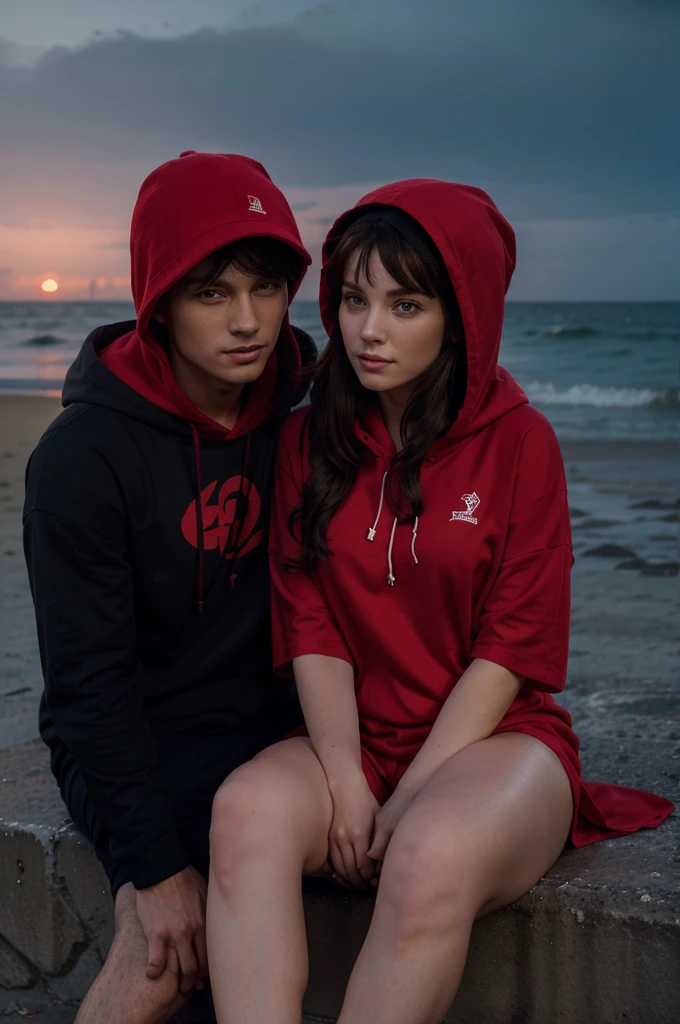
(564, 111)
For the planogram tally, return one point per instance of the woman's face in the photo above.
(391, 335)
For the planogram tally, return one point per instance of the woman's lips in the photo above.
(244, 355)
(373, 363)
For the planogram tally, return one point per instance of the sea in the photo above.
(599, 371)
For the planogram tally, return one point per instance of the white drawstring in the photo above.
(390, 577)
(371, 530)
(370, 535)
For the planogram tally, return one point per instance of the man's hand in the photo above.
(172, 914)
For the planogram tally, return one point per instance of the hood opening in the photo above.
(476, 257)
(188, 210)
(477, 247)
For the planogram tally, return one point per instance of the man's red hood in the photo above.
(478, 248)
(187, 209)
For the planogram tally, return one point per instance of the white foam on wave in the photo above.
(601, 398)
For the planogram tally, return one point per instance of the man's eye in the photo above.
(209, 293)
(269, 286)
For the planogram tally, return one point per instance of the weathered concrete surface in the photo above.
(598, 939)
(55, 913)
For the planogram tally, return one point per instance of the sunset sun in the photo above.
(49, 285)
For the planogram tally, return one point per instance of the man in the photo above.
(145, 535)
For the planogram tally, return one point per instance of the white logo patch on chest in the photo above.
(471, 504)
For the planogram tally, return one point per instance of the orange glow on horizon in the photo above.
(49, 285)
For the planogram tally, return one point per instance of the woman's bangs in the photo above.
(398, 258)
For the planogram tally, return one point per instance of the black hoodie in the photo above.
(153, 618)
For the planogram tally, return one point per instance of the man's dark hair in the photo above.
(259, 256)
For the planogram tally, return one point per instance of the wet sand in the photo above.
(625, 621)
(22, 422)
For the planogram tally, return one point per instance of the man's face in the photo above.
(225, 331)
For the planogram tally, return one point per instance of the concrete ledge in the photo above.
(597, 940)
(55, 914)
(576, 949)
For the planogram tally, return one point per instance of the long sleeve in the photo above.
(302, 622)
(82, 583)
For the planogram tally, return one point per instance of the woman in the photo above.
(420, 554)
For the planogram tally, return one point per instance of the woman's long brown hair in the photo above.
(338, 399)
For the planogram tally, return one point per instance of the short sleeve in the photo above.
(524, 623)
(302, 622)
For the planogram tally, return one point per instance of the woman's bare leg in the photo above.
(485, 828)
(270, 826)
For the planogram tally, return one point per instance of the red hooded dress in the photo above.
(485, 571)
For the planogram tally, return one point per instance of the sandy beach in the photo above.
(22, 422)
(625, 620)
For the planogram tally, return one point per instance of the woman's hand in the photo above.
(354, 811)
(386, 820)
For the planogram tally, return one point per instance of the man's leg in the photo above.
(122, 993)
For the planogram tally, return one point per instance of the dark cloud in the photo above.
(564, 111)
(574, 108)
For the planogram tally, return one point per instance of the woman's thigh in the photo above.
(489, 823)
(279, 802)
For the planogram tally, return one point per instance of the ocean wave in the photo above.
(43, 340)
(602, 398)
(573, 332)
(653, 335)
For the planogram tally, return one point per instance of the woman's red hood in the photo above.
(186, 210)
(478, 248)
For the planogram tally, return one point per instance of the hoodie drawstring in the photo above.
(370, 535)
(371, 530)
(390, 575)
(244, 496)
(199, 519)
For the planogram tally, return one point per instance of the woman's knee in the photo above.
(431, 878)
(245, 811)
(258, 813)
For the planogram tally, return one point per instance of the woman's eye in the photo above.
(354, 300)
(407, 307)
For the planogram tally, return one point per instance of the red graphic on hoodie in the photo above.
(229, 518)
